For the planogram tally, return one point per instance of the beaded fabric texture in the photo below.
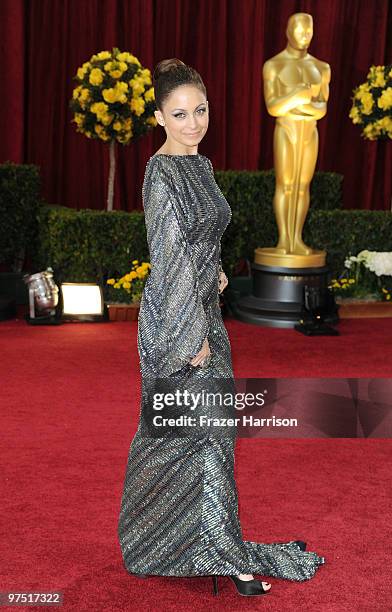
(179, 508)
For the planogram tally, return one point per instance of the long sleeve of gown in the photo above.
(182, 321)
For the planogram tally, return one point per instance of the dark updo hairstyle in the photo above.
(170, 74)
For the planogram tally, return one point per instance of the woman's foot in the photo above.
(247, 577)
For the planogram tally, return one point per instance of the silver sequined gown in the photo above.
(179, 509)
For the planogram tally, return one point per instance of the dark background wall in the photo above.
(43, 42)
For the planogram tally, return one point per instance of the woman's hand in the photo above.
(223, 282)
(202, 354)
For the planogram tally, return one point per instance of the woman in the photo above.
(179, 509)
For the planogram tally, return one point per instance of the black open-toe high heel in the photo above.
(300, 543)
(244, 587)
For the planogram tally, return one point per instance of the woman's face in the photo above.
(185, 115)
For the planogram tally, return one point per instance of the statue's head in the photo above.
(299, 30)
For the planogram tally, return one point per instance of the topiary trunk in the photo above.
(112, 170)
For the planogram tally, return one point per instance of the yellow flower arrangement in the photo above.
(114, 102)
(341, 283)
(130, 286)
(114, 98)
(372, 104)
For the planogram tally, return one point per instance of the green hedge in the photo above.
(250, 195)
(339, 232)
(89, 245)
(245, 186)
(346, 232)
(95, 245)
(92, 246)
(19, 204)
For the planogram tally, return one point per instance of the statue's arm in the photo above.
(318, 106)
(278, 106)
(325, 80)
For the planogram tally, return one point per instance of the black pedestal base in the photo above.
(277, 299)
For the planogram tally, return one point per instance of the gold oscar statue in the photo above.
(296, 91)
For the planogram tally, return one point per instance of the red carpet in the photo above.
(69, 406)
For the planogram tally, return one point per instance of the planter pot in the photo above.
(357, 309)
(123, 312)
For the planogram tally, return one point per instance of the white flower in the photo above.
(364, 255)
(351, 260)
(380, 263)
